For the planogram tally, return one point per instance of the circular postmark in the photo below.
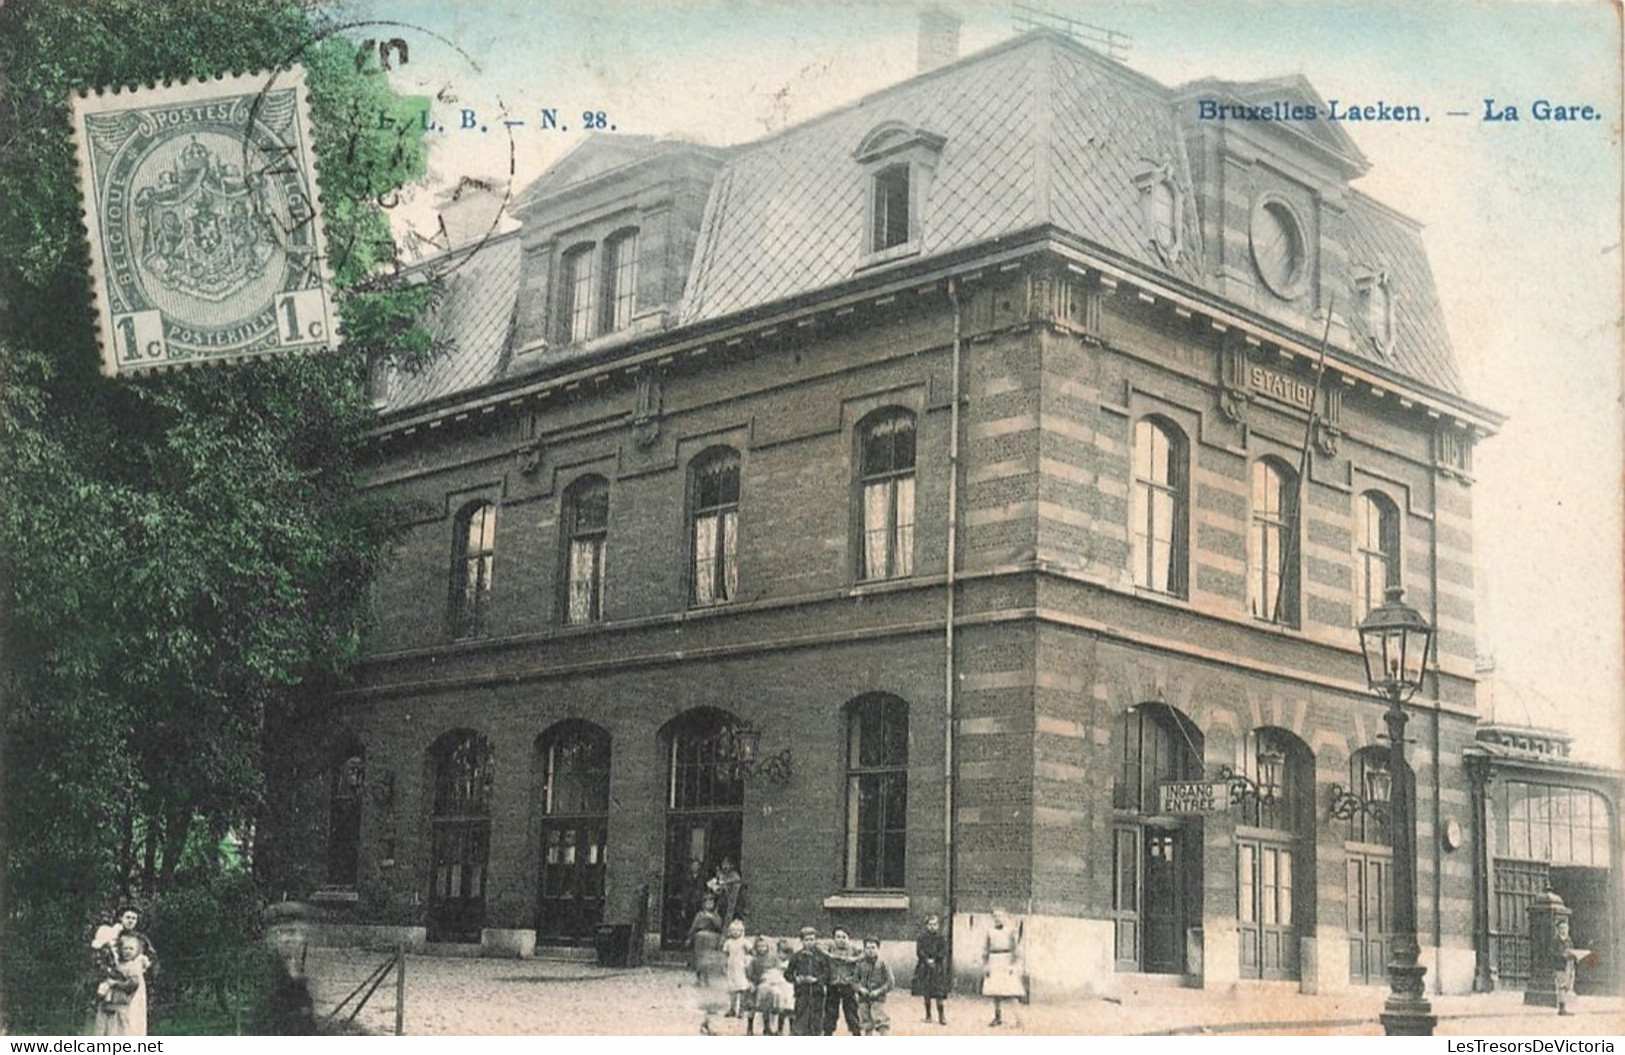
(375, 142)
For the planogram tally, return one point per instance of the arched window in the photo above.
(620, 280)
(1370, 779)
(1272, 573)
(586, 519)
(1157, 744)
(886, 448)
(1376, 551)
(476, 534)
(714, 538)
(876, 792)
(1157, 507)
(577, 287)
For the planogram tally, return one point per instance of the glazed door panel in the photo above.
(1264, 910)
(1368, 916)
(457, 880)
(572, 880)
(1164, 930)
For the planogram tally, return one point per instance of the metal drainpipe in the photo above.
(949, 692)
(1438, 763)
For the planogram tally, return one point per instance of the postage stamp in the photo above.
(204, 215)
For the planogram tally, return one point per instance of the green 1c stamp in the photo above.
(204, 215)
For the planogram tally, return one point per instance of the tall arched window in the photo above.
(714, 535)
(586, 517)
(1377, 551)
(476, 533)
(886, 447)
(620, 280)
(460, 823)
(1157, 508)
(876, 792)
(578, 286)
(1272, 573)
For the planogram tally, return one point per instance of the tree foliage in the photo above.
(183, 556)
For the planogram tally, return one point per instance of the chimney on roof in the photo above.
(939, 38)
(470, 210)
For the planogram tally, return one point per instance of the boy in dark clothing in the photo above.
(840, 994)
(808, 971)
(874, 981)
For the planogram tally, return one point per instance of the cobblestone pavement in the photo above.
(451, 996)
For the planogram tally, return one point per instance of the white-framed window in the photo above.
(886, 451)
(714, 527)
(578, 284)
(472, 565)
(586, 515)
(876, 792)
(1272, 553)
(1376, 546)
(1157, 507)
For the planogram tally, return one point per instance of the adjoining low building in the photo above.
(945, 503)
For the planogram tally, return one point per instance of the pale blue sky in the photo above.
(1522, 221)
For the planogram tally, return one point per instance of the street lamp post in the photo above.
(1395, 640)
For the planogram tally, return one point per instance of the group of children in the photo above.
(811, 989)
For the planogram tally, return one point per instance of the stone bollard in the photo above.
(1547, 949)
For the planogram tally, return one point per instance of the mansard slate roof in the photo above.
(1037, 133)
(479, 288)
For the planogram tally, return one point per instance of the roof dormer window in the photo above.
(578, 284)
(898, 161)
(1162, 208)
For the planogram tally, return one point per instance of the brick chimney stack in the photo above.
(939, 38)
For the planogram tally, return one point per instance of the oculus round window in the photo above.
(1278, 248)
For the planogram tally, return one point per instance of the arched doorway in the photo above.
(347, 780)
(459, 836)
(574, 803)
(705, 797)
(1156, 857)
(1275, 849)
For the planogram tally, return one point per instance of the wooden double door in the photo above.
(570, 905)
(1266, 907)
(1369, 914)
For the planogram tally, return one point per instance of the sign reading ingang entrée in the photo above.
(204, 218)
(1194, 796)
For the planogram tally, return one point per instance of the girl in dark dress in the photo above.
(932, 972)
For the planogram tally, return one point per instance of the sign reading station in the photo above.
(204, 219)
(1193, 796)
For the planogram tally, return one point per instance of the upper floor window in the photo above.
(714, 505)
(1157, 507)
(887, 452)
(578, 285)
(620, 280)
(1377, 551)
(586, 513)
(476, 533)
(876, 792)
(891, 216)
(1272, 575)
